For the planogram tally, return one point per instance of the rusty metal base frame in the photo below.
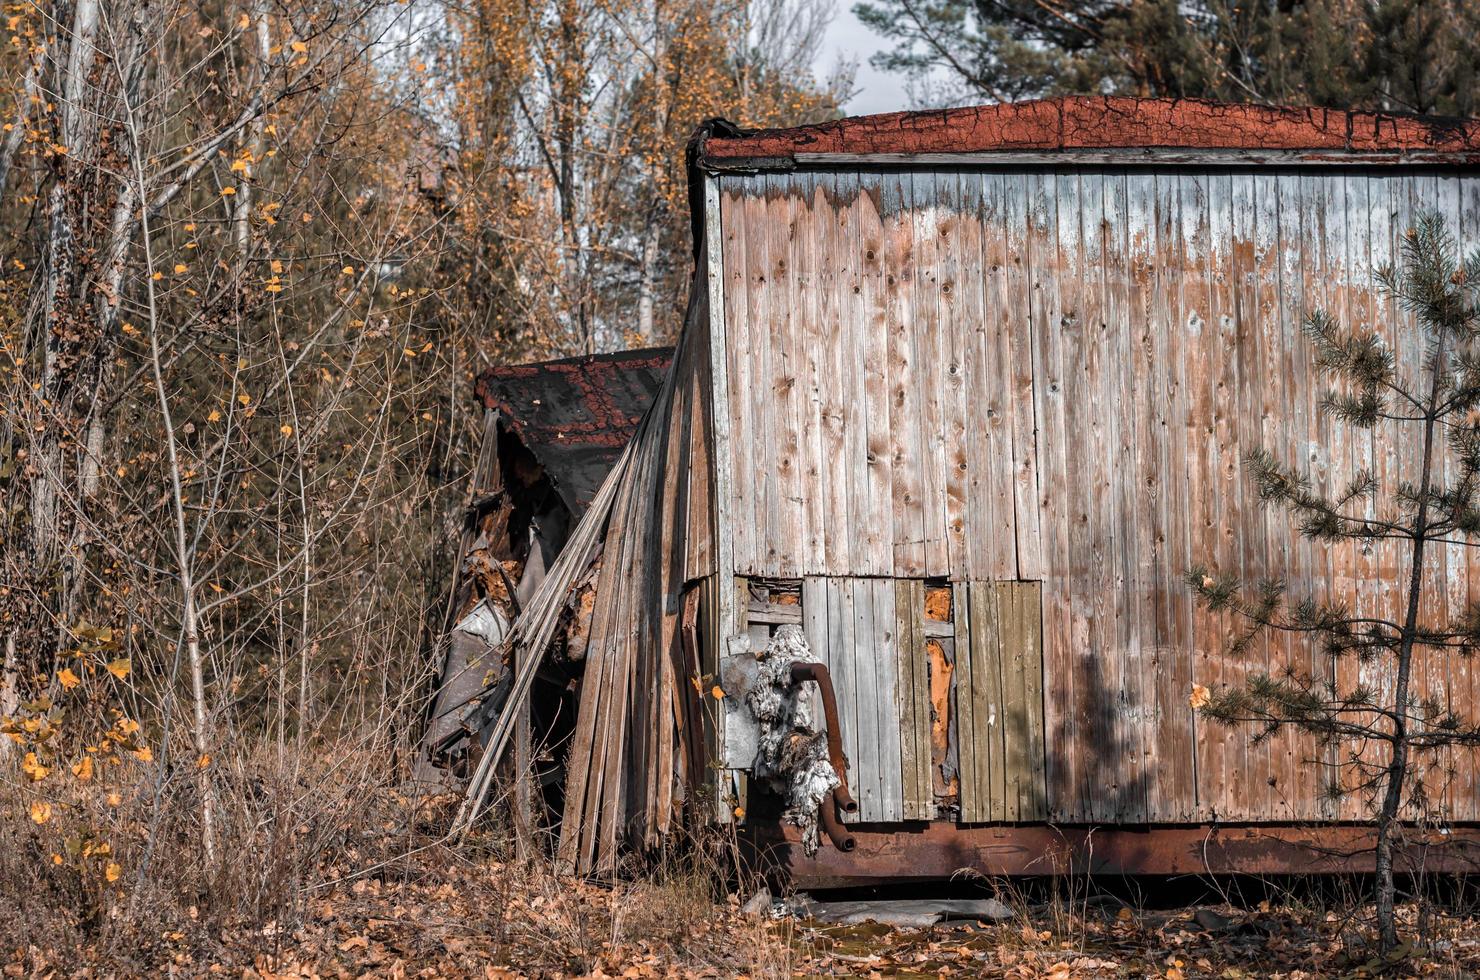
(938, 851)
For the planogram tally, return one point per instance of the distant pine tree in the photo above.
(1435, 505)
(1398, 55)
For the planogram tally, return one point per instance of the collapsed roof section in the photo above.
(576, 414)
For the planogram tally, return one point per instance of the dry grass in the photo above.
(326, 869)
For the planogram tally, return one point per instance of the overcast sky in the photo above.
(877, 91)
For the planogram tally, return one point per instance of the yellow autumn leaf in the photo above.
(286, 430)
(239, 166)
(203, 762)
(119, 668)
(1199, 697)
(243, 22)
(83, 768)
(127, 725)
(114, 799)
(143, 754)
(276, 265)
(33, 768)
(298, 47)
(228, 191)
(215, 416)
(180, 267)
(40, 811)
(244, 398)
(112, 872)
(190, 226)
(67, 679)
(348, 270)
(717, 691)
(129, 328)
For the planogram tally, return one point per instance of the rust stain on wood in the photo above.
(944, 783)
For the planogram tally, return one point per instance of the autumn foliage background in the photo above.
(253, 256)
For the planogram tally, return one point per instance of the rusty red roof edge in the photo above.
(1089, 123)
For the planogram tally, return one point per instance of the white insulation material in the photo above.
(793, 744)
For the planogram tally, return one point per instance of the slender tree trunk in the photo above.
(10, 689)
(241, 221)
(1397, 771)
(184, 557)
(652, 234)
(13, 139)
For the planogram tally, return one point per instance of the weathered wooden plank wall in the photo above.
(1050, 374)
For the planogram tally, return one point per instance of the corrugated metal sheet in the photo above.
(1051, 373)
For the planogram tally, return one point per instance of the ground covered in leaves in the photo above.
(405, 904)
(438, 915)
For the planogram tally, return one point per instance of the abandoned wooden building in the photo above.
(962, 395)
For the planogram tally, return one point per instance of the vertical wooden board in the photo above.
(1273, 753)
(1226, 517)
(1467, 806)
(929, 218)
(1149, 492)
(1120, 515)
(1035, 803)
(843, 668)
(1098, 660)
(1388, 220)
(811, 344)
(1017, 319)
(987, 393)
(907, 455)
(786, 510)
(1360, 309)
(1043, 277)
(1245, 356)
(969, 754)
(839, 384)
(858, 617)
(871, 452)
(1192, 328)
(814, 619)
(906, 646)
(1074, 270)
(893, 728)
(712, 408)
(737, 303)
(1294, 445)
(1176, 799)
(763, 434)
(960, 327)
(1300, 237)
(986, 648)
(1433, 670)
(1328, 435)
(705, 454)
(1017, 776)
(1339, 437)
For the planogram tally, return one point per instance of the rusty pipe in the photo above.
(817, 673)
(835, 831)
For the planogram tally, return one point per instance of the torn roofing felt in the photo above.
(575, 415)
